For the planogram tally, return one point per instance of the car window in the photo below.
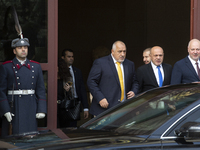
(145, 113)
(191, 117)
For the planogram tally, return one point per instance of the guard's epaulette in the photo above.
(34, 62)
(6, 62)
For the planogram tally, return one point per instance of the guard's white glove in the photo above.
(40, 115)
(8, 116)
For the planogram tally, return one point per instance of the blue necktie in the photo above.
(160, 76)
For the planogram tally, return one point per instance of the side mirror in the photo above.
(189, 129)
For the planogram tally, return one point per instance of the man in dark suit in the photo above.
(79, 87)
(104, 83)
(185, 70)
(148, 76)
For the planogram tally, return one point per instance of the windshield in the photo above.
(145, 113)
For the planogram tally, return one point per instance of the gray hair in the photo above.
(193, 41)
(115, 43)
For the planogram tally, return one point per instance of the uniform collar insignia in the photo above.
(18, 65)
(26, 65)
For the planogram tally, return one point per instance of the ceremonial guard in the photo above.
(22, 91)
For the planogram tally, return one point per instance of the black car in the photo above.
(162, 118)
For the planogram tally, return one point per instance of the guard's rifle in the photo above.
(19, 31)
(11, 106)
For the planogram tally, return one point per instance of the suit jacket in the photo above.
(147, 79)
(103, 82)
(184, 72)
(80, 87)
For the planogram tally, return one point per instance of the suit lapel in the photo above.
(165, 73)
(113, 68)
(190, 66)
(151, 74)
(126, 72)
(75, 76)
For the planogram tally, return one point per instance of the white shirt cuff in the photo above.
(86, 109)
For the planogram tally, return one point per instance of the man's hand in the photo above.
(104, 103)
(130, 94)
(8, 116)
(86, 114)
(40, 115)
(67, 87)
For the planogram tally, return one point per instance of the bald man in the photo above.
(104, 82)
(156, 73)
(185, 70)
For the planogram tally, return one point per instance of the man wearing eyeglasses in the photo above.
(187, 70)
(22, 91)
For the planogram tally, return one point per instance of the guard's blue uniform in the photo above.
(24, 77)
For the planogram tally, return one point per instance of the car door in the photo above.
(170, 140)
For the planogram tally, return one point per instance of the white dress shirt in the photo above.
(72, 74)
(155, 70)
(21, 61)
(194, 63)
(122, 68)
